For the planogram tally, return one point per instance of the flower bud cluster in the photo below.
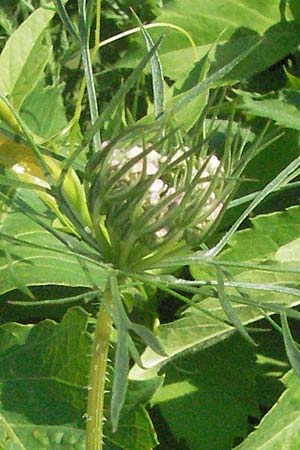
(178, 194)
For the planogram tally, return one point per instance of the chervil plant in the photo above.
(110, 199)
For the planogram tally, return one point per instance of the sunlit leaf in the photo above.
(43, 260)
(24, 57)
(240, 24)
(280, 428)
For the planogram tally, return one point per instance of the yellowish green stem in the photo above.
(97, 377)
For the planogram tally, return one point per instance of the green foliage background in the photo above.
(217, 387)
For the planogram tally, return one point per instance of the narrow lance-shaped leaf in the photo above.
(65, 18)
(84, 34)
(119, 95)
(156, 72)
(229, 311)
(15, 279)
(292, 350)
(134, 352)
(121, 365)
(148, 338)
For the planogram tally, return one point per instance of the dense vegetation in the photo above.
(149, 225)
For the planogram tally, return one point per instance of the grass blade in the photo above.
(156, 71)
(65, 18)
(118, 97)
(84, 33)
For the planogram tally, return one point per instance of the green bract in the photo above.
(145, 198)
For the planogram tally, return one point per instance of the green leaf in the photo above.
(295, 9)
(283, 110)
(272, 236)
(135, 430)
(259, 171)
(31, 72)
(196, 330)
(41, 259)
(280, 181)
(43, 383)
(271, 364)
(122, 91)
(229, 310)
(121, 365)
(156, 72)
(280, 428)
(65, 18)
(24, 57)
(240, 24)
(148, 338)
(193, 332)
(218, 387)
(292, 350)
(184, 99)
(120, 378)
(43, 110)
(189, 115)
(43, 386)
(141, 392)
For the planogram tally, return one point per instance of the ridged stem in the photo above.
(97, 377)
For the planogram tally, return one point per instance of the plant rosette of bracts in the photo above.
(147, 202)
(140, 201)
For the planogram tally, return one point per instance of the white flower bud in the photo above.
(169, 183)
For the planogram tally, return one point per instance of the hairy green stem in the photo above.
(97, 376)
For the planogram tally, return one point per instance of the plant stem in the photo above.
(97, 376)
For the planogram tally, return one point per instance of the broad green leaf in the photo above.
(263, 168)
(24, 57)
(224, 385)
(218, 387)
(43, 383)
(43, 379)
(189, 115)
(135, 430)
(271, 364)
(283, 110)
(280, 428)
(236, 26)
(271, 237)
(31, 72)
(43, 260)
(43, 111)
(195, 330)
